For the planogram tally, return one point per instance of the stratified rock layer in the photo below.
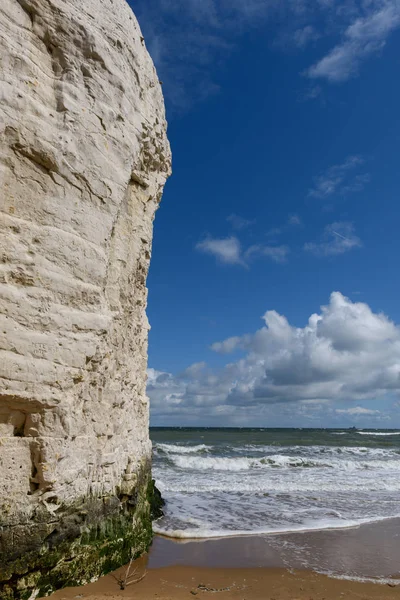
(83, 161)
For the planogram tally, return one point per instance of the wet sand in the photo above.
(280, 567)
(368, 551)
(183, 583)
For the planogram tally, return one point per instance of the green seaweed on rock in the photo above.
(109, 533)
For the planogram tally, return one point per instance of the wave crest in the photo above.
(379, 433)
(215, 463)
(177, 449)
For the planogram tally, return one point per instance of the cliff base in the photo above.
(91, 538)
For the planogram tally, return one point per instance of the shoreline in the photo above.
(256, 568)
(244, 534)
(370, 550)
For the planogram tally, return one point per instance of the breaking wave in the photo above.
(280, 461)
(175, 449)
(208, 480)
(379, 433)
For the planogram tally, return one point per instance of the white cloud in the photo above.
(337, 238)
(276, 253)
(357, 411)
(346, 353)
(340, 179)
(227, 346)
(194, 370)
(229, 251)
(367, 35)
(226, 250)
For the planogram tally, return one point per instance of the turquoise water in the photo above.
(227, 482)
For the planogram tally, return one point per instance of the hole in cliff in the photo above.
(33, 483)
(53, 500)
(18, 419)
(33, 488)
(19, 431)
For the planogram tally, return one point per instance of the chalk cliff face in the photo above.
(83, 161)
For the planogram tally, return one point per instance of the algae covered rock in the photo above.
(83, 160)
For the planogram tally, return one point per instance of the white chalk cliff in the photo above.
(83, 160)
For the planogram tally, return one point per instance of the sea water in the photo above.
(230, 482)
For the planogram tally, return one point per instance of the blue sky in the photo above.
(284, 127)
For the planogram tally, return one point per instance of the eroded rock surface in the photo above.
(83, 161)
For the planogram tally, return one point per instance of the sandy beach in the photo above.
(256, 568)
(179, 583)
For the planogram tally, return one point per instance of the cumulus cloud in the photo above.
(338, 238)
(227, 346)
(365, 36)
(229, 251)
(345, 353)
(340, 179)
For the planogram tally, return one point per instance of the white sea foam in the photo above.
(215, 463)
(378, 580)
(288, 487)
(176, 449)
(204, 533)
(379, 433)
(269, 450)
(342, 450)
